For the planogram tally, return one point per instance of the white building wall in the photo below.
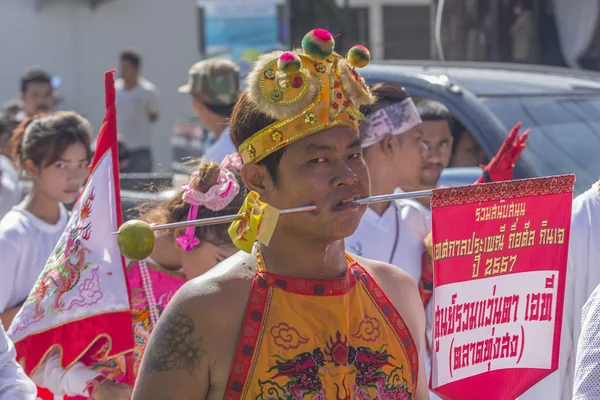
(70, 39)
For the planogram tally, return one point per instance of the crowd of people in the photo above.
(326, 140)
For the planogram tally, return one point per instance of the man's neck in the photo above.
(42, 207)
(299, 258)
(381, 184)
(130, 84)
(425, 201)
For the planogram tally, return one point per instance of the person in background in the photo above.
(12, 108)
(137, 110)
(37, 94)
(14, 384)
(8, 125)
(437, 135)
(179, 255)
(393, 149)
(214, 86)
(11, 192)
(579, 363)
(54, 151)
(437, 127)
(466, 152)
(587, 370)
(524, 32)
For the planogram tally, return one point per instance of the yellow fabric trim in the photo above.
(261, 336)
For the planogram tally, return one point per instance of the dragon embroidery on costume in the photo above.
(303, 370)
(112, 368)
(369, 374)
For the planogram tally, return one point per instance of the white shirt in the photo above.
(133, 113)
(587, 370)
(395, 237)
(220, 148)
(26, 242)
(14, 384)
(11, 192)
(583, 275)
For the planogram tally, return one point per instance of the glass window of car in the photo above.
(565, 133)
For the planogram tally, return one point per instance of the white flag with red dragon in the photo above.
(80, 303)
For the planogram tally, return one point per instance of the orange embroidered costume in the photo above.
(322, 339)
(336, 338)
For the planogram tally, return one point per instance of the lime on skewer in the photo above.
(135, 239)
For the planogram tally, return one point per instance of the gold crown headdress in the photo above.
(306, 92)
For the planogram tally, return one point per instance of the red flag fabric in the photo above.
(80, 303)
(500, 256)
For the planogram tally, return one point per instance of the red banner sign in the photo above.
(500, 257)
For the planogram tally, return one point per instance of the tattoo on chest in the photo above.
(175, 346)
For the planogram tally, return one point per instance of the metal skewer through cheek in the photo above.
(230, 218)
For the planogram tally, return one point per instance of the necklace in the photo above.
(147, 285)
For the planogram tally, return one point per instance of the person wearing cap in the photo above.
(137, 110)
(214, 86)
(294, 316)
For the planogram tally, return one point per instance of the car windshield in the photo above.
(565, 133)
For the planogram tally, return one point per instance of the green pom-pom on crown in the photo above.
(318, 44)
(289, 63)
(359, 56)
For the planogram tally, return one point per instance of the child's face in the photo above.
(62, 180)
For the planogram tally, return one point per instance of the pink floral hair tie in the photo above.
(215, 199)
(232, 162)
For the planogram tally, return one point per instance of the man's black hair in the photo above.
(245, 121)
(133, 56)
(431, 110)
(34, 75)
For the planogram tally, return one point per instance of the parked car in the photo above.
(562, 107)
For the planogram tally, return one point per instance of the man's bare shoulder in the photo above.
(218, 288)
(190, 351)
(386, 274)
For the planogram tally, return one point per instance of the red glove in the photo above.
(502, 165)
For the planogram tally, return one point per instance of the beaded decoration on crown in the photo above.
(306, 91)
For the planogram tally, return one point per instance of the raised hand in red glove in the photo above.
(502, 165)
